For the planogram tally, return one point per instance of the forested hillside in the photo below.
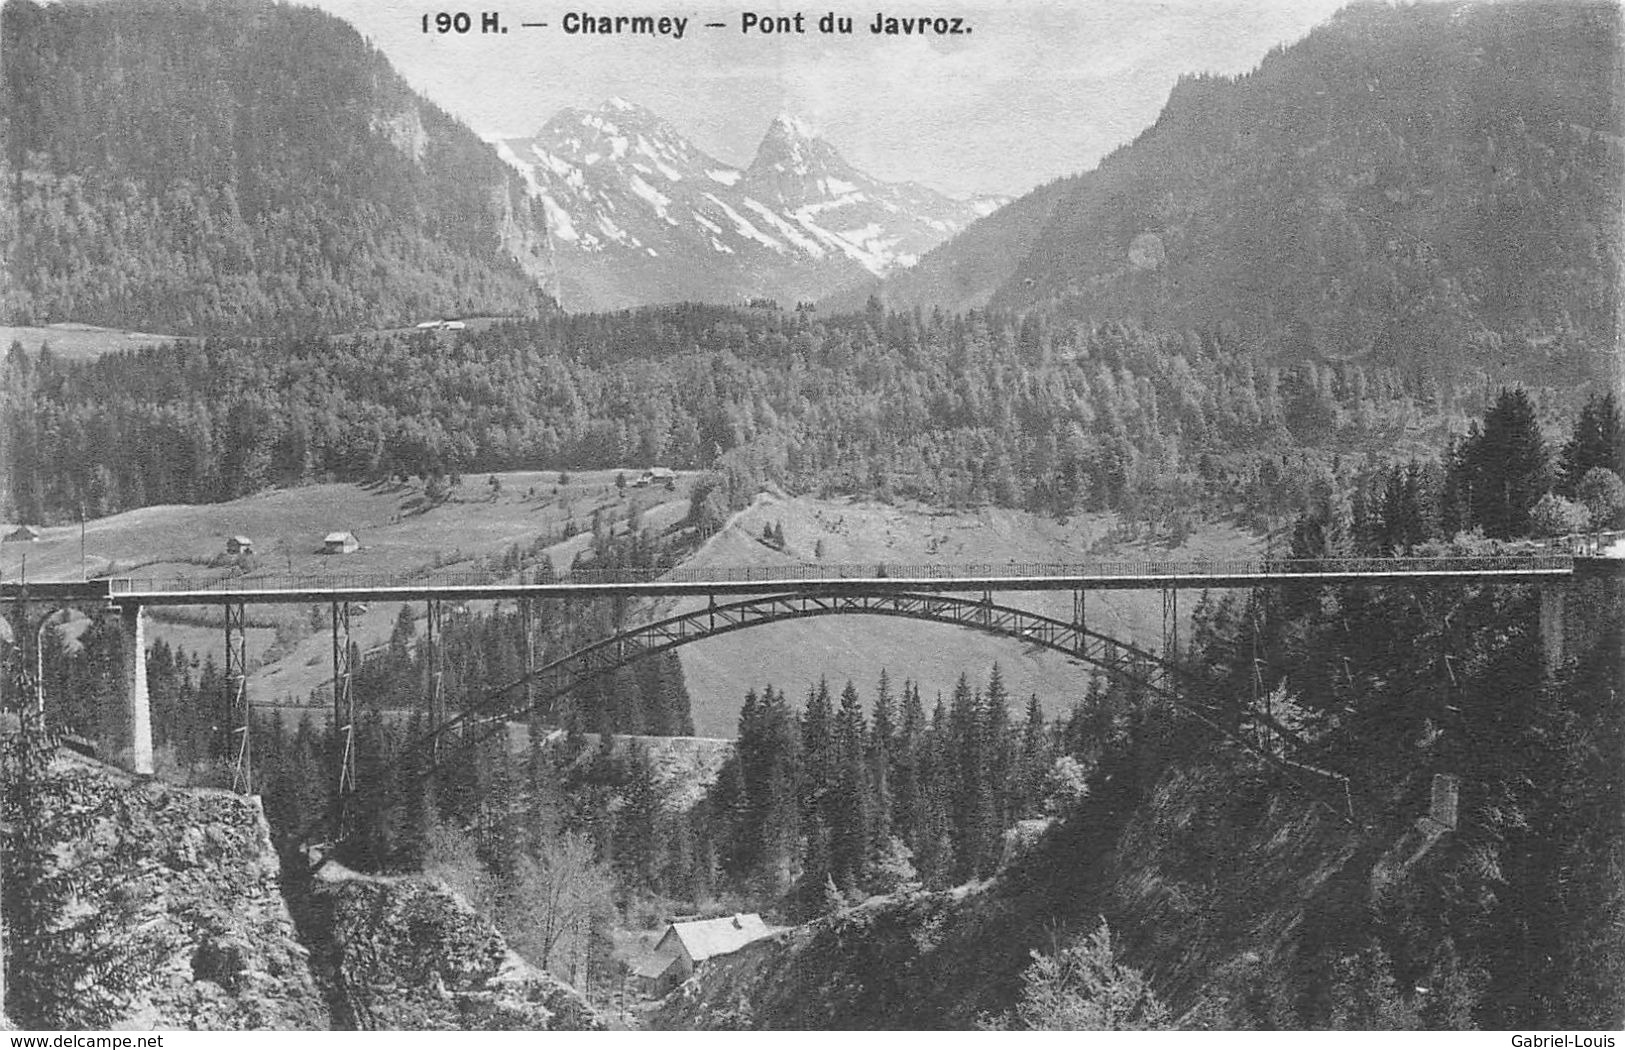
(953, 410)
(1237, 898)
(1430, 187)
(240, 167)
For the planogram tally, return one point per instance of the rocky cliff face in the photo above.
(169, 911)
(408, 953)
(193, 879)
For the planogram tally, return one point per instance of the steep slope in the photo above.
(189, 928)
(241, 167)
(1433, 187)
(946, 960)
(1465, 874)
(640, 215)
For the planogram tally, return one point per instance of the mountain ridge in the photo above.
(641, 215)
(1427, 187)
(241, 167)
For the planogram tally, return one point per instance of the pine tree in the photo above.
(753, 760)
(998, 759)
(817, 746)
(1034, 759)
(635, 850)
(66, 966)
(969, 791)
(1506, 466)
(1598, 440)
(936, 837)
(882, 748)
(848, 809)
(675, 705)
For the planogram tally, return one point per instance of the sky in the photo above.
(1036, 90)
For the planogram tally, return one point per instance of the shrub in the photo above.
(1555, 516)
(1602, 493)
(1085, 988)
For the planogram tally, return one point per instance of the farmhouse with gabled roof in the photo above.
(686, 945)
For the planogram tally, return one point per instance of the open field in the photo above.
(73, 341)
(77, 342)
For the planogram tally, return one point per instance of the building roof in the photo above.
(653, 966)
(338, 537)
(711, 937)
(241, 539)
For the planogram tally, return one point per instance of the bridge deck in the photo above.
(811, 579)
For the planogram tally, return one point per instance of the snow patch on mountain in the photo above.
(657, 200)
(743, 225)
(558, 220)
(794, 236)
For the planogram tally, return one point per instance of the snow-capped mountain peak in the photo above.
(638, 214)
(790, 147)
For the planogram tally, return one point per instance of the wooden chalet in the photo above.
(686, 946)
(340, 543)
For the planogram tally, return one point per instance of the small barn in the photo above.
(239, 545)
(340, 543)
(23, 534)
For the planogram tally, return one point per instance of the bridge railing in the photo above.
(815, 572)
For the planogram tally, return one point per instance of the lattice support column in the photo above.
(435, 664)
(239, 739)
(1261, 698)
(344, 779)
(528, 653)
(1170, 623)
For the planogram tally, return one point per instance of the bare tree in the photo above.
(558, 897)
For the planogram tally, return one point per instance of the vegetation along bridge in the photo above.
(740, 598)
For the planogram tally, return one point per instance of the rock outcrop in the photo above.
(409, 953)
(193, 881)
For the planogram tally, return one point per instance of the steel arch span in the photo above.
(1121, 660)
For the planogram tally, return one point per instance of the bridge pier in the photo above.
(343, 722)
(1551, 625)
(136, 747)
(239, 743)
(1170, 623)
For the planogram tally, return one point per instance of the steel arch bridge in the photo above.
(1255, 732)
